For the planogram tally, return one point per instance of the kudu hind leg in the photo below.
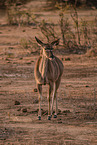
(40, 98)
(55, 97)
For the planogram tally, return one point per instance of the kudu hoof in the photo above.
(49, 117)
(39, 117)
(55, 116)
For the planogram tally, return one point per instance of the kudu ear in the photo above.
(56, 42)
(39, 42)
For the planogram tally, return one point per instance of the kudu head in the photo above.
(47, 49)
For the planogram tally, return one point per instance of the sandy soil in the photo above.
(76, 123)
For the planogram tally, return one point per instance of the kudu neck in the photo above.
(44, 66)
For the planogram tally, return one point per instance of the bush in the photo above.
(77, 3)
(16, 15)
(5, 3)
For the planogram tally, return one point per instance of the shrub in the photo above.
(16, 15)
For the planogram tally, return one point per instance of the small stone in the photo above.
(34, 111)
(17, 103)
(66, 111)
(24, 110)
(28, 63)
(35, 90)
(19, 109)
(59, 122)
(87, 86)
(24, 30)
(21, 58)
(10, 47)
(59, 111)
(59, 119)
(67, 59)
(35, 102)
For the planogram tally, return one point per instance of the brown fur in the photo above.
(48, 70)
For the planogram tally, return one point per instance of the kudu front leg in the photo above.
(49, 109)
(49, 101)
(40, 98)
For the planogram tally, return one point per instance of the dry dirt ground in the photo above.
(76, 123)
